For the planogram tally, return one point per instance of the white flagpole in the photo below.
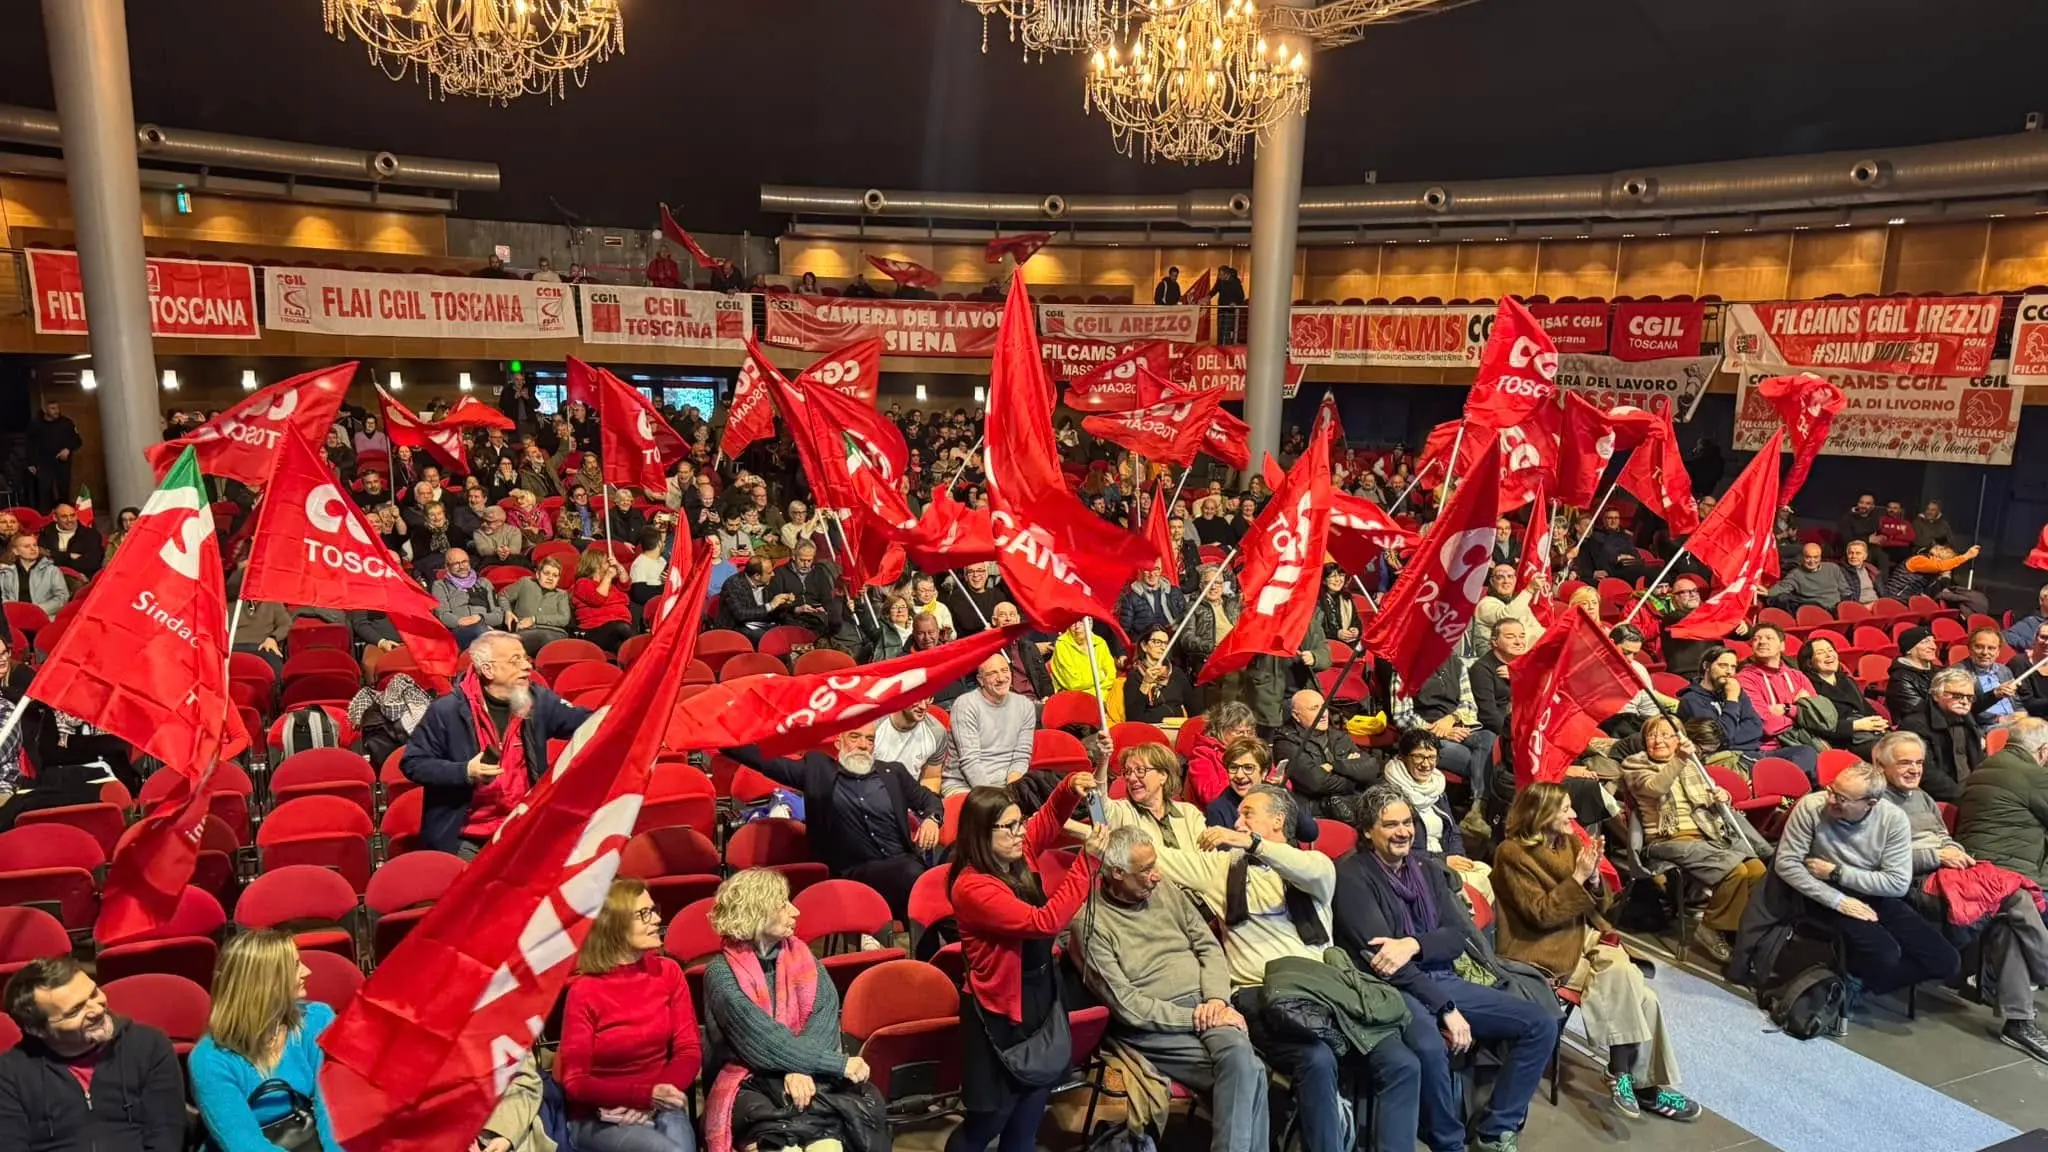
(1644, 598)
(955, 578)
(1200, 597)
(1594, 521)
(1374, 604)
(1403, 497)
(1095, 673)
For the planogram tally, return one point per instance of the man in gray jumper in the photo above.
(1814, 581)
(1851, 855)
(1146, 952)
(2020, 952)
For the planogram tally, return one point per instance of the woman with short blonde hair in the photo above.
(629, 1034)
(778, 1013)
(260, 1058)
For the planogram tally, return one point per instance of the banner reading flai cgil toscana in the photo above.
(1609, 383)
(193, 299)
(905, 327)
(665, 317)
(378, 304)
(1121, 322)
(1390, 337)
(1952, 419)
(1941, 336)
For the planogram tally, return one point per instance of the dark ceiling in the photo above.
(713, 99)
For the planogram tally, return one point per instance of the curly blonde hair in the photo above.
(748, 902)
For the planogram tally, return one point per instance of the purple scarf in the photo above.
(1418, 903)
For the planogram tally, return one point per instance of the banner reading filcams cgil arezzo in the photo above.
(1951, 419)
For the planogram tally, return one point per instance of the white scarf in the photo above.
(1422, 796)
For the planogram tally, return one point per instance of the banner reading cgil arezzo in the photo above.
(1951, 419)
(378, 304)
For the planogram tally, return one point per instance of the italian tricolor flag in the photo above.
(84, 505)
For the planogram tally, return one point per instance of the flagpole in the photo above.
(962, 469)
(1357, 654)
(13, 720)
(1403, 497)
(955, 578)
(843, 552)
(1185, 472)
(1200, 597)
(1451, 465)
(607, 518)
(1362, 592)
(1594, 521)
(1095, 672)
(1641, 600)
(234, 622)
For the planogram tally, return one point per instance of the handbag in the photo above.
(295, 1129)
(1040, 1059)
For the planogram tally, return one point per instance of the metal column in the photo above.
(1276, 208)
(89, 70)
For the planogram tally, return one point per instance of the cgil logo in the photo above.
(329, 512)
(1656, 326)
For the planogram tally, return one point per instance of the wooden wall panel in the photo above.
(2018, 255)
(1836, 260)
(1746, 267)
(1494, 270)
(1659, 266)
(1419, 270)
(1937, 258)
(1577, 268)
(1345, 272)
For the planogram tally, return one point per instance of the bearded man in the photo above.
(481, 748)
(855, 810)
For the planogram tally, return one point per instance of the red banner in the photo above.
(1562, 689)
(638, 447)
(1020, 247)
(905, 327)
(1071, 358)
(1283, 552)
(1916, 336)
(1178, 323)
(1387, 337)
(1517, 371)
(1122, 383)
(1221, 368)
(1657, 331)
(195, 299)
(1808, 405)
(1360, 530)
(1579, 328)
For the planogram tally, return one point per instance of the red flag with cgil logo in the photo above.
(1655, 474)
(1159, 531)
(947, 536)
(1227, 438)
(1020, 247)
(836, 437)
(1434, 464)
(422, 1054)
(1426, 614)
(1060, 561)
(1326, 413)
(1135, 378)
(1517, 370)
(751, 415)
(241, 444)
(1173, 430)
(1360, 530)
(681, 235)
(908, 272)
(785, 714)
(313, 548)
(407, 430)
(1590, 438)
(1535, 567)
(1283, 566)
(1562, 689)
(1737, 541)
(638, 448)
(1808, 405)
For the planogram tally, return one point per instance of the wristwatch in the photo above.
(1448, 1008)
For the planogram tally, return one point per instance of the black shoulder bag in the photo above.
(295, 1129)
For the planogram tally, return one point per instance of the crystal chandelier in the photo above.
(496, 50)
(1059, 25)
(1199, 79)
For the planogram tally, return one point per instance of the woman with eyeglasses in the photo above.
(1008, 922)
(629, 1034)
(1686, 821)
(1249, 763)
(1153, 688)
(1857, 724)
(1413, 773)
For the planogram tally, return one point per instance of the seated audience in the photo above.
(1224, 724)
(622, 520)
(1145, 952)
(1850, 855)
(992, 732)
(1492, 696)
(807, 593)
(1861, 578)
(1687, 821)
(892, 637)
(1398, 914)
(1954, 740)
(540, 607)
(72, 543)
(1857, 725)
(1152, 778)
(1444, 705)
(630, 1051)
(1336, 610)
(1813, 582)
(1501, 602)
(261, 1052)
(1996, 687)
(71, 1040)
(2027, 629)
(1609, 551)
(645, 575)
(1213, 615)
(2002, 816)
(30, 577)
(743, 601)
(1546, 916)
(516, 1124)
(1905, 691)
(915, 739)
(1249, 765)
(496, 541)
(856, 808)
(262, 629)
(1081, 662)
(1155, 688)
(1413, 773)
(1324, 766)
(971, 598)
(1151, 602)
(481, 748)
(430, 541)
(1966, 896)
(1773, 687)
(469, 605)
(1682, 655)
(603, 613)
(1718, 696)
(924, 597)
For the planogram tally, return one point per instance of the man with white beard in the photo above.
(481, 748)
(855, 809)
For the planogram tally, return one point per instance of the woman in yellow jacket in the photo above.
(1071, 656)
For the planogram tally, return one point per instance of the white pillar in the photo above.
(1276, 206)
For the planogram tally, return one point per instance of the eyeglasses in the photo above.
(1837, 798)
(647, 915)
(1956, 695)
(1011, 827)
(1247, 767)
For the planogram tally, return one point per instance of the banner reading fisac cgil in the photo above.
(665, 317)
(377, 304)
(1955, 419)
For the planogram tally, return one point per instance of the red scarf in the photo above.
(796, 990)
(491, 802)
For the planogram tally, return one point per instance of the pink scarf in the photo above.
(796, 989)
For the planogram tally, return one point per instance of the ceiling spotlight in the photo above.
(87, 380)
(248, 380)
(1896, 221)
(980, 394)
(170, 380)
(395, 382)
(921, 395)
(465, 383)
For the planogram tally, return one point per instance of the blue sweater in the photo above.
(223, 1080)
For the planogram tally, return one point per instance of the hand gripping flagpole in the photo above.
(965, 595)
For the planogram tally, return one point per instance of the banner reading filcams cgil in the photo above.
(1956, 420)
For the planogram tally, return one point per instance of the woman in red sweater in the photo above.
(603, 613)
(1007, 926)
(629, 1034)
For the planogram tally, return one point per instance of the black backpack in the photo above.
(1799, 988)
(307, 728)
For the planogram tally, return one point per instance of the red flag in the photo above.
(1535, 567)
(470, 412)
(947, 536)
(784, 714)
(854, 370)
(418, 1059)
(1360, 530)
(154, 862)
(407, 430)
(1426, 614)
(1435, 463)
(1745, 520)
(313, 548)
(1060, 560)
(1283, 566)
(751, 416)
(1135, 378)
(241, 444)
(1517, 370)
(1020, 247)
(1172, 430)
(638, 448)
(677, 233)
(1808, 406)
(1561, 690)
(837, 436)
(1326, 413)
(1655, 474)
(1529, 456)
(2037, 556)
(908, 272)
(1590, 437)
(1159, 530)
(1198, 291)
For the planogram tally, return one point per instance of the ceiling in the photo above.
(712, 100)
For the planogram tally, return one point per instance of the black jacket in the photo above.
(963, 602)
(1366, 908)
(138, 1097)
(736, 605)
(368, 627)
(817, 776)
(1955, 746)
(1438, 696)
(46, 438)
(1306, 751)
(1490, 695)
(86, 553)
(438, 753)
(812, 590)
(1907, 690)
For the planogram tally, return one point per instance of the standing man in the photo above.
(52, 441)
(1168, 289)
